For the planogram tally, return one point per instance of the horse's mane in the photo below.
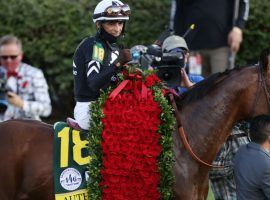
(202, 88)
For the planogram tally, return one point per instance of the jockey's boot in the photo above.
(73, 124)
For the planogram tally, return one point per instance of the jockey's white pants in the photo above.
(82, 114)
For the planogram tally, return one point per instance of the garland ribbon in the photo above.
(136, 87)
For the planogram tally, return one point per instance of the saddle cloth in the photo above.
(71, 157)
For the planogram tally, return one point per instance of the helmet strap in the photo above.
(123, 31)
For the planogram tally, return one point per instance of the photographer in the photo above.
(26, 89)
(176, 46)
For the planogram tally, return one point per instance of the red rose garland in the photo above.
(129, 147)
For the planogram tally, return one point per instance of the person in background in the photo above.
(98, 59)
(218, 29)
(27, 90)
(252, 162)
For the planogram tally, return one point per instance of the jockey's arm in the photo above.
(101, 78)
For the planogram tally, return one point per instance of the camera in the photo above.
(3, 90)
(167, 64)
(170, 74)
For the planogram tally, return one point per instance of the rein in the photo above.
(184, 138)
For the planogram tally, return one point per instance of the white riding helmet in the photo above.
(108, 10)
(173, 42)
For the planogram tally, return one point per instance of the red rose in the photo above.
(151, 80)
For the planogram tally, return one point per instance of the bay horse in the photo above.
(208, 112)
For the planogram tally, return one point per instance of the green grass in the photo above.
(210, 194)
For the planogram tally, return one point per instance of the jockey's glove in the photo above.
(123, 58)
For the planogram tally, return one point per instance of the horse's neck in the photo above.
(209, 121)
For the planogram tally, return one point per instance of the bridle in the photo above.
(261, 84)
(262, 81)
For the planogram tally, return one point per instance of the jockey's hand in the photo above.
(14, 99)
(123, 58)
(235, 38)
(185, 82)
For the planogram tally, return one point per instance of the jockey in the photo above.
(97, 59)
(177, 44)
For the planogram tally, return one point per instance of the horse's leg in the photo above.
(191, 178)
(193, 188)
(185, 171)
(203, 184)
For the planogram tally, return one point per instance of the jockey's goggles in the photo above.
(114, 11)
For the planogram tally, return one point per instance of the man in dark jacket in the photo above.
(218, 29)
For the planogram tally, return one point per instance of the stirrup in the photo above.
(73, 124)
